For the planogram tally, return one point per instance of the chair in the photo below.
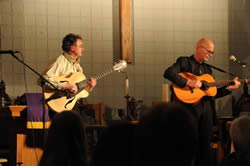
(3, 160)
(98, 112)
(94, 130)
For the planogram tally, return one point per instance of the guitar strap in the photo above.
(223, 71)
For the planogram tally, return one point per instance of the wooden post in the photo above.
(126, 30)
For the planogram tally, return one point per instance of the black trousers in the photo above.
(204, 119)
(203, 116)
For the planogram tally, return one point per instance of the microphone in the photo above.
(6, 52)
(232, 58)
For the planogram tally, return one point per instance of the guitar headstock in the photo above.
(122, 64)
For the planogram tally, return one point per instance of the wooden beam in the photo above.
(126, 30)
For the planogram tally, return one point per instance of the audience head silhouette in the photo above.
(240, 134)
(167, 134)
(115, 146)
(66, 141)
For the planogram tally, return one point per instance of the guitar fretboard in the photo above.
(103, 74)
(118, 67)
(84, 83)
(227, 82)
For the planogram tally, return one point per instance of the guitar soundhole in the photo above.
(204, 85)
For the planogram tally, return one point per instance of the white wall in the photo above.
(163, 31)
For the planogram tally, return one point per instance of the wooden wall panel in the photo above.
(126, 30)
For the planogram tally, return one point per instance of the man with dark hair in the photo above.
(66, 63)
(68, 41)
(203, 110)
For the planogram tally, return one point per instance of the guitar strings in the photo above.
(103, 74)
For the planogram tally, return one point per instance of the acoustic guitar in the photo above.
(60, 101)
(209, 87)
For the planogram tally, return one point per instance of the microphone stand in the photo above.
(43, 82)
(2, 86)
(216, 68)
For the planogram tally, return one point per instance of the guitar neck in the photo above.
(84, 83)
(117, 67)
(103, 74)
(227, 82)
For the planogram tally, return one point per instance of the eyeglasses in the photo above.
(208, 51)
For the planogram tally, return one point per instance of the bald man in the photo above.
(204, 110)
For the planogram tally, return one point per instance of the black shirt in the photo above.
(189, 64)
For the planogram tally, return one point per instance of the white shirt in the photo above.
(64, 64)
